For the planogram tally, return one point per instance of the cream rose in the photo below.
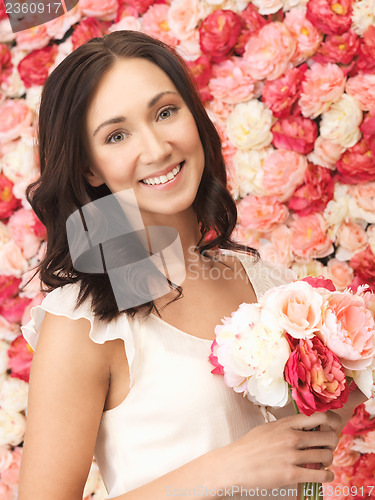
(13, 394)
(184, 16)
(248, 167)
(340, 124)
(338, 209)
(340, 273)
(12, 427)
(312, 268)
(326, 153)
(19, 163)
(268, 6)
(363, 15)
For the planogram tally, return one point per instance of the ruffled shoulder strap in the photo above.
(62, 302)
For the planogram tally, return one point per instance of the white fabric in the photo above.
(176, 409)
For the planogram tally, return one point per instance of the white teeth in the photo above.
(163, 178)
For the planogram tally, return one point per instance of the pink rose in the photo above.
(86, 30)
(21, 225)
(269, 52)
(317, 377)
(218, 368)
(340, 273)
(33, 69)
(15, 118)
(362, 88)
(366, 60)
(281, 95)
(358, 281)
(230, 82)
(8, 202)
(368, 130)
(218, 34)
(363, 264)
(352, 236)
(308, 38)
(278, 251)
(13, 308)
(360, 423)
(155, 23)
(295, 133)
(364, 474)
(338, 48)
(33, 38)
(310, 238)
(331, 17)
(283, 171)
(10, 475)
(261, 213)
(344, 456)
(320, 282)
(364, 195)
(105, 10)
(20, 357)
(8, 287)
(348, 329)
(202, 71)
(314, 194)
(322, 86)
(357, 164)
(326, 153)
(253, 21)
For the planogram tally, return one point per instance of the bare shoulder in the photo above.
(68, 385)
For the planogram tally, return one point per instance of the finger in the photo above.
(304, 422)
(321, 456)
(317, 439)
(316, 475)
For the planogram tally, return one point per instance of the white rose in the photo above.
(268, 6)
(6, 33)
(13, 394)
(6, 458)
(289, 4)
(366, 445)
(249, 125)
(184, 16)
(13, 86)
(340, 124)
(248, 166)
(338, 209)
(12, 427)
(4, 346)
(189, 48)
(12, 260)
(33, 95)
(358, 212)
(326, 153)
(312, 268)
(363, 15)
(370, 407)
(19, 163)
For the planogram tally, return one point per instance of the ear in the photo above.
(93, 178)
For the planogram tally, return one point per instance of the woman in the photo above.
(121, 114)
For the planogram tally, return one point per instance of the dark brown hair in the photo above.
(62, 187)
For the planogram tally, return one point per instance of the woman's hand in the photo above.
(276, 454)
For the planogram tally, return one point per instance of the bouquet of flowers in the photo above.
(305, 340)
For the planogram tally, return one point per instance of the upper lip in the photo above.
(159, 173)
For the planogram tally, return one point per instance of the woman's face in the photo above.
(142, 135)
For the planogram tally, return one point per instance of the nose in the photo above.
(155, 146)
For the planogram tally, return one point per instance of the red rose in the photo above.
(295, 133)
(218, 34)
(364, 264)
(33, 69)
(332, 17)
(368, 130)
(357, 164)
(8, 202)
(281, 95)
(358, 281)
(317, 377)
(3, 14)
(20, 356)
(12, 308)
(253, 21)
(338, 49)
(5, 62)
(366, 60)
(360, 423)
(86, 30)
(202, 71)
(315, 192)
(320, 282)
(8, 287)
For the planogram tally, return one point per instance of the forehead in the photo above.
(128, 83)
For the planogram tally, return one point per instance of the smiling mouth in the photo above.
(164, 179)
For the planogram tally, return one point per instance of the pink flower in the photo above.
(15, 118)
(218, 34)
(86, 30)
(155, 23)
(8, 287)
(20, 357)
(281, 95)
(308, 38)
(230, 82)
(13, 308)
(360, 423)
(21, 225)
(338, 48)
(184, 16)
(279, 250)
(8, 202)
(10, 475)
(283, 171)
(340, 273)
(218, 368)
(362, 88)
(202, 72)
(253, 21)
(326, 153)
(33, 38)
(33, 69)
(331, 17)
(269, 52)
(368, 130)
(357, 164)
(310, 238)
(320, 282)
(5, 63)
(315, 192)
(105, 10)
(344, 456)
(363, 264)
(317, 377)
(366, 60)
(323, 85)
(352, 236)
(261, 213)
(364, 195)
(364, 475)
(348, 329)
(295, 133)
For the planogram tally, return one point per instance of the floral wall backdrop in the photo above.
(290, 86)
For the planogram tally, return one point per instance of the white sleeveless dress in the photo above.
(176, 409)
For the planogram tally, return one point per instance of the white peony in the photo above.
(20, 161)
(312, 268)
(13, 394)
(268, 6)
(363, 15)
(248, 166)
(358, 212)
(340, 124)
(249, 125)
(338, 209)
(289, 4)
(12, 427)
(184, 16)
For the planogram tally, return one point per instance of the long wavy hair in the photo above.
(62, 187)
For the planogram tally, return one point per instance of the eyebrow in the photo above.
(120, 119)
